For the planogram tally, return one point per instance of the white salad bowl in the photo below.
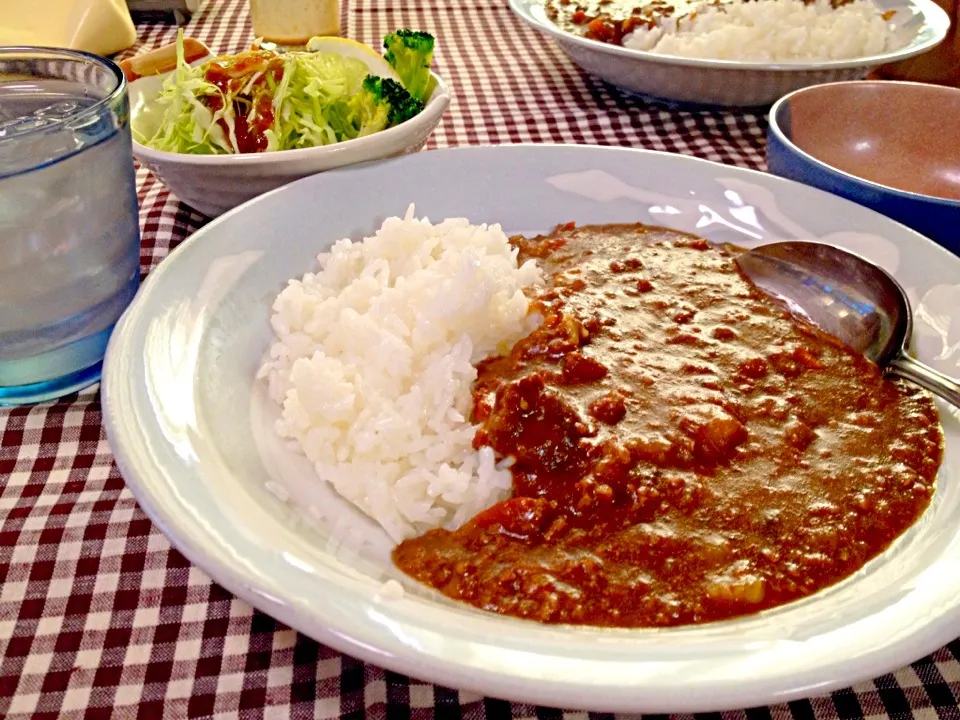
(214, 184)
(918, 25)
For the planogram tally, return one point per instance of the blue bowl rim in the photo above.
(774, 128)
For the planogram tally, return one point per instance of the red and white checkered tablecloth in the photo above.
(101, 618)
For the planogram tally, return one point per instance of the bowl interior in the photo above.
(901, 135)
(145, 113)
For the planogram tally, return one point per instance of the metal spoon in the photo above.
(850, 298)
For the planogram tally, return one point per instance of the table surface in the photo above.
(101, 618)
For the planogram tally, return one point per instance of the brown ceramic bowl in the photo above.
(892, 146)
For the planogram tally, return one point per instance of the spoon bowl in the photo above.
(850, 298)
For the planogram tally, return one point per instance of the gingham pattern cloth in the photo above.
(101, 618)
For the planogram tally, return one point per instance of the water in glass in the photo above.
(69, 237)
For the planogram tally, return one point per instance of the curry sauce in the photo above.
(684, 449)
(610, 21)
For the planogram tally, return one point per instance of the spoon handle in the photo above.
(936, 382)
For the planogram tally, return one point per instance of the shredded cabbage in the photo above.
(283, 101)
(188, 125)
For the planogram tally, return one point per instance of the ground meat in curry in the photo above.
(610, 20)
(686, 450)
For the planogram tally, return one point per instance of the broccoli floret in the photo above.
(380, 103)
(386, 93)
(410, 52)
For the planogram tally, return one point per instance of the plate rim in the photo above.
(933, 18)
(434, 668)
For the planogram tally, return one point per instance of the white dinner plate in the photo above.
(191, 432)
(919, 25)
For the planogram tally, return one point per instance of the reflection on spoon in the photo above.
(848, 297)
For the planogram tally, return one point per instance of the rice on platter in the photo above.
(373, 367)
(770, 31)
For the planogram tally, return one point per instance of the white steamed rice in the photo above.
(771, 31)
(373, 367)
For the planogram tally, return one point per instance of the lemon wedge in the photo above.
(345, 47)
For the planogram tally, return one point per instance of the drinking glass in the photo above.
(69, 232)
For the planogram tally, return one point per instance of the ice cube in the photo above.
(58, 111)
(17, 126)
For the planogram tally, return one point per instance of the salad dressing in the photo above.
(252, 110)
